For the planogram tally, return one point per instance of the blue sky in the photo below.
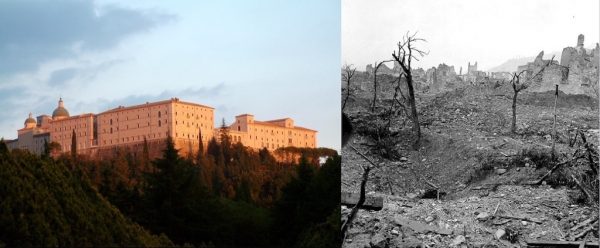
(270, 58)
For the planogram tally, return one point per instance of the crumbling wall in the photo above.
(442, 77)
(577, 72)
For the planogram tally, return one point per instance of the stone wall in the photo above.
(442, 77)
(577, 72)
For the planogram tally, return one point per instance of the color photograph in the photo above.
(162, 124)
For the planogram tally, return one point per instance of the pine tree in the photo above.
(225, 142)
(200, 145)
(46, 152)
(145, 155)
(73, 144)
(3, 147)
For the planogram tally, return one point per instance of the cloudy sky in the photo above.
(270, 58)
(459, 31)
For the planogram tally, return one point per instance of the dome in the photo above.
(30, 122)
(60, 111)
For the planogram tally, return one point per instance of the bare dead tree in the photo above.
(347, 74)
(407, 51)
(518, 85)
(377, 65)
(395, 100)
(363, 185)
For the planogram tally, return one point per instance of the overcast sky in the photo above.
(273, 59)
(458, 31)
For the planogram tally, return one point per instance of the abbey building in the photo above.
(187, 123)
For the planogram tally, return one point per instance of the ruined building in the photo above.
(473, 75)
(577, 72)
(383, 69)
(441, 77)
(187, 123)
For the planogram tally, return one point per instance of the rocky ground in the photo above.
(481, 169)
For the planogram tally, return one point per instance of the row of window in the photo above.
(69, 128)
(277, 132)
(68, 136)
(189, 136)
(134, 138)
(138, 126)
(110, 121)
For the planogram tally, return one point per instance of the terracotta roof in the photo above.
(267, 124)
(172, 100)
(275, 125)
(74, 117)
(278, 120)
(305, 129)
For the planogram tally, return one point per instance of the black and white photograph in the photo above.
(469, 123)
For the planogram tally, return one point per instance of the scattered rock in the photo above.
(482, 216)
(403, 159)
(397, 164)
(458, 240)
(379, 241)
(499, 234)
(500, 171)
(429, 219)
(421, 227)
(409, 242)
(412, 195)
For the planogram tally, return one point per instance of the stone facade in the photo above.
(552, 75)
(441, 77)
(502, 75)
(473, 75)
(128, 127)
(271, 134)
(383, 69)
(577, 72)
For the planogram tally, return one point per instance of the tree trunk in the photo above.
(347, 95)
(413, 108)
(513, 127)
(374, 89)
(554, 125)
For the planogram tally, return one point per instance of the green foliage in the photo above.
(73, 144)
(248, 199)
(307, 205)
(46, 204)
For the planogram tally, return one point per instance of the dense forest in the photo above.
(227, 196)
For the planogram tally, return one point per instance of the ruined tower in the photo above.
(471, 68)
(580, 40)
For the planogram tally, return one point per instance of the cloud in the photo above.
(58, 77)
(86, 72)
(189, 94)
(33, 33)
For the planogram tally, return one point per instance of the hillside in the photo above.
(512, 64)
(481, 170)
(45, 204)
